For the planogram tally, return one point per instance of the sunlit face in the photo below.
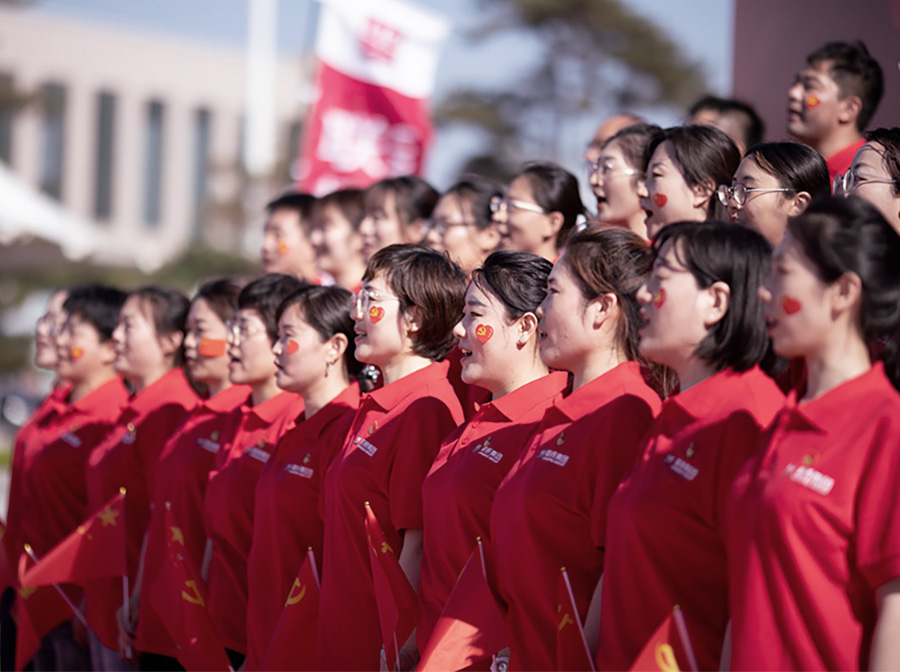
(453, 230)
(205, 344)
(487, 339)
(81, 352)
(872, 182)
(814, 103)
(665, 194)
(563, 322)
(140, 351)
(46, 330)
(334, 240)
(285, 247)
(382, 225)
(250, 350)
(615, 186)
(765, 212)
(301, 354)
(796, 303)
(520, 228)
(674, 309)
(382, 331)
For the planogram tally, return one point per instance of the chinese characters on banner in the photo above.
(375, 71)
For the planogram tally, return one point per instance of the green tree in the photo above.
(598, 55)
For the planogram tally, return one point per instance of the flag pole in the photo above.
(312, 563)
(587, 651)
(126, 610)
(683, 635)
(481, 555)
(59, 589)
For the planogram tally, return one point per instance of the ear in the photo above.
(526, 328)
(846, 292)
(107, 351)
(601, 309)
(170, 342)
(487, 239)
(849, 109)
(554, 224)
(414, 232)
(702, 193)
(413, 319)
(337, 346)
(720, 299)
(799, 203)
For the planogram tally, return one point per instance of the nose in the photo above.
(190, 340)
(277, 348)
(434, 240)
(795, 92)
(118, 335)
(765, 295)
(644, 295)
(594, 178)
(459, 330)
(642, 190)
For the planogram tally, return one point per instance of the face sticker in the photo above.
(283, 247)
(376, 314)
(659, 200)
(659, 298)
(812, 101)
(212, 347)
(483, 332)
(76, 353)
(291, 347)
(790, 305)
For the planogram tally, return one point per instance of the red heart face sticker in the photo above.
(659, 200)
(790, 305)
(483, 332)
(212, 347)
(812, 101)
(283, 248)
(291, 347)
(76, 353)
(376, 314)
(659, 298)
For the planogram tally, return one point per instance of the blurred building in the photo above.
(138, 133)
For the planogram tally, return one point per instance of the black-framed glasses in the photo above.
(740, 193)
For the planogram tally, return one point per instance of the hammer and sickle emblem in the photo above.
(566, 620)
(385, 547)
(294, 596)
(194, 595)
(665, 658)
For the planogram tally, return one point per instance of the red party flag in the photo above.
(95, 550)
(471, 627)
(662, 651)
(572, 652)
(180, 595)
(293, 645)
(38, 611)
(398, 607)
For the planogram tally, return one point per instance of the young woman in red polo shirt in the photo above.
(550, 509)
(314, 354)
(186, 460)
(499, 343)
(664, 536)
(148, 341)
(813, 549)
(405, 313)
(261, 422)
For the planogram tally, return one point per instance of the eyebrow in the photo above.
(475, 302)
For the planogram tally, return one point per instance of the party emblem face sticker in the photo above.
(376, 314)
(212, 347)
(659, 200)
(76, 353)
(812, 101)
(483, 332)
(291, 347)
(790, 305)
(283, 248)
(659, 298)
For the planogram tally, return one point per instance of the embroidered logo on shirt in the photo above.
(299, 470)
(682, 467)
(209, 444)
(258, 453)
(129, 438)
(72, 439)
(810, 478)
(373, 427)
(554, 457)
(365, 446)
(484, 449)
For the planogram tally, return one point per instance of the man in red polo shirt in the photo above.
(832, 100)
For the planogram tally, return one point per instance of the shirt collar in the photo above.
(346, 400)
(172, 387)
(520, 401)
(391, 395)
(840, 161)
(111, 393)
(228, 399)
(271, 409)
(823, 411)
(600, 391)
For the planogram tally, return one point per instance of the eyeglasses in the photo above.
(440, 226)
(242, 331)
(851, 179)
(364, 297)
(498, 204)
(603, 170)
(739, 193)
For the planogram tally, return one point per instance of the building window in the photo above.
(202, 135)
(7, 114)
(153, 163)
(103, 176)
(53, 102)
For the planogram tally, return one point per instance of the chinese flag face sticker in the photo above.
(283, 248)
(790, 305)
(291, 347)
(659, 298)
(812, 101)
(76, 353)
(659, 200)
(483, 332)
(376, 314)
(212, 347)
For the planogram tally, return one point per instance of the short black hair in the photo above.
(517, 279)
(740, 257)
(265, 295)
(889, 138)
(414, 198)
(299, 202)
(555, 189)
(98, 305)
(752, 127)
(855, 72)
(796, 166)
(478, 192)
(169, 309)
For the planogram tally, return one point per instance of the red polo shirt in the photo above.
(551, 508)
(390, 447)
(127, 459)
(458, 492)
(839, 162)
(665, 540)
(287, 518)
(813, 527)
(186, 460)
(228, 510)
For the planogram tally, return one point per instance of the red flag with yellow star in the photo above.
(572, 652)
(37, 612)
(294, 642)
(95, 550)
(179, 593)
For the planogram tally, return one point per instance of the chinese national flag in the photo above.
(178, 593)
(662, 651)
(38, 611)
(293, 645)
(398, 607)
(471, 626)
(572, 652)
(96, 550)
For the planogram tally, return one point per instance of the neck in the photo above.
(217, 386)
(841, 138)
(262, 392)
(637, 224)
(402, 366)
(82, 388)
(598, 363)
(324, 393)
(139, 383)
(692, 372)
(836, 363)
(521, 375)
(547, 250)
(350, 276)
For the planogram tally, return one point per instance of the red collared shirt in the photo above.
(839, 162)
(458, 492)
(287, 520)
(390, 447)
(228, 510)
(186, 461)
(550, 510)
(127, 459)
(470, 396)
(813, 526)
(665, 540)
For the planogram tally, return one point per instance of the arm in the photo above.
(411, 563)
(592, 621)
(885, 644)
